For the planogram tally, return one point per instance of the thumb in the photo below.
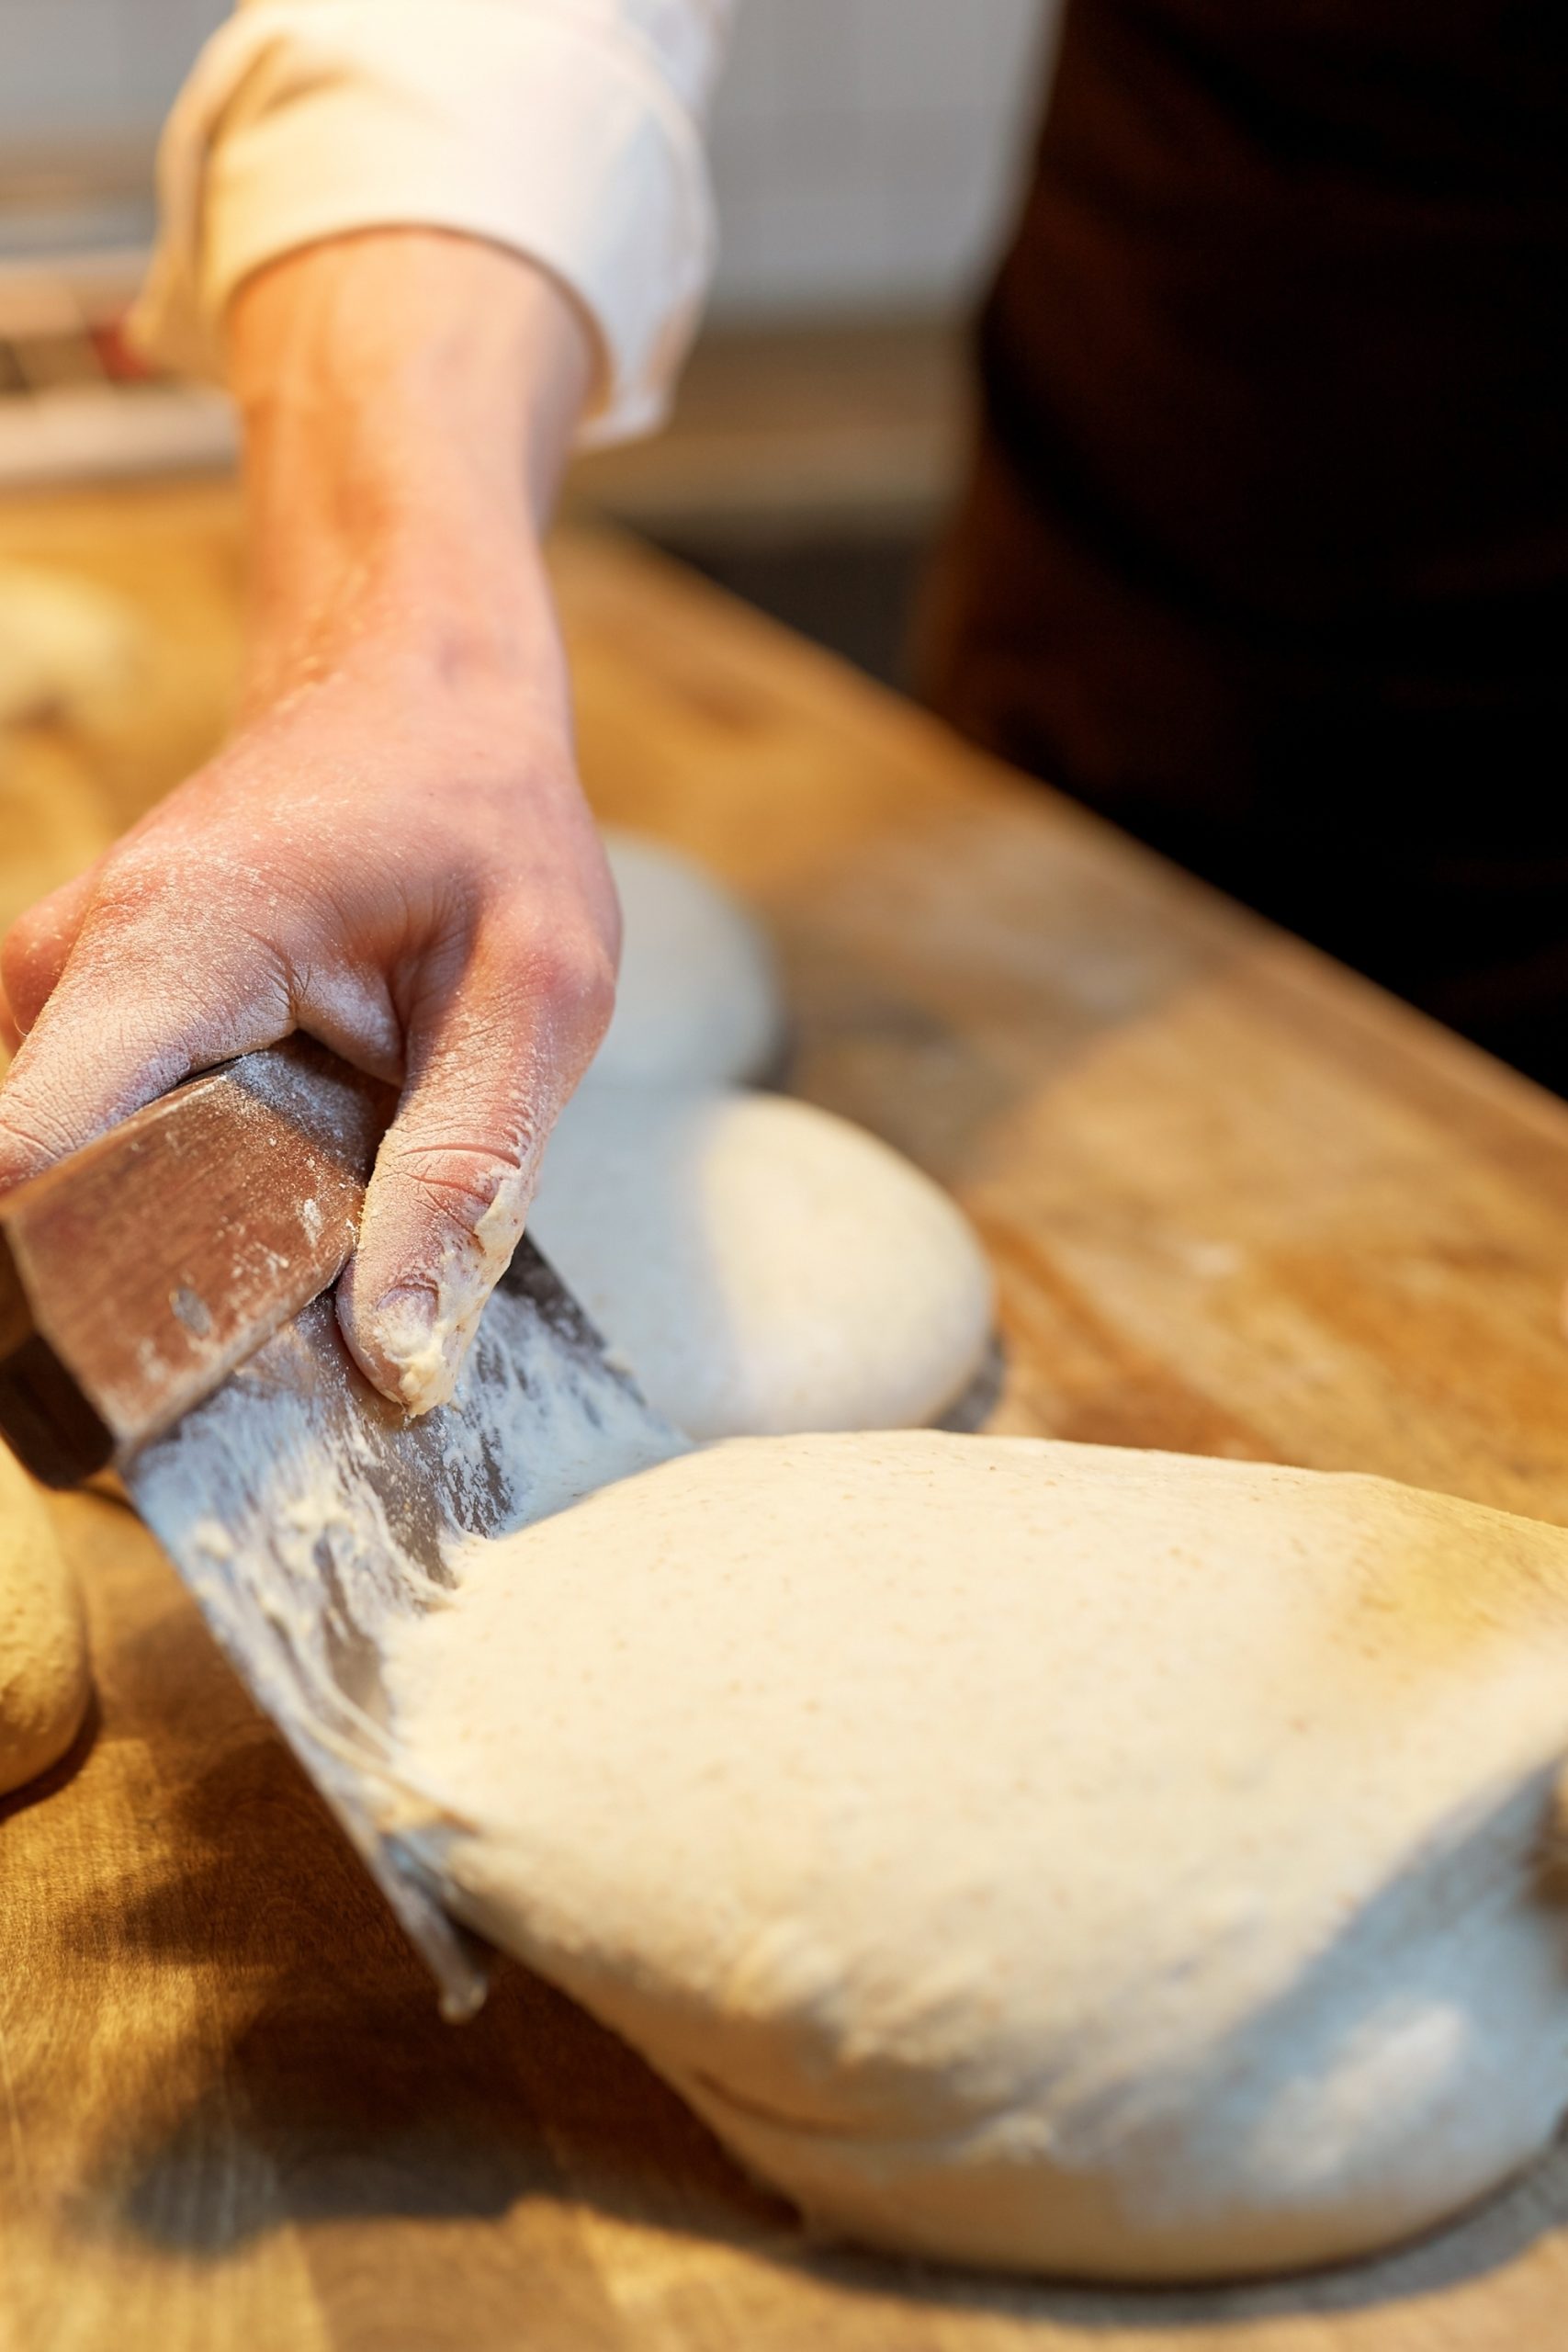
(489, 1070)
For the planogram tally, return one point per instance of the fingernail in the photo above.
(420, 1333)
(421, 1347)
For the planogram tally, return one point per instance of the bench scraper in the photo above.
(165, 1312)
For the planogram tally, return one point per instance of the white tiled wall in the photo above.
(865, 152)
(863, 149)
(72, 71)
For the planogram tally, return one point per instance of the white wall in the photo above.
(73, 71)
(863, 149)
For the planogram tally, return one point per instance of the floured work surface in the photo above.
(1237, 1205)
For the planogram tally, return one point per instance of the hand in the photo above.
(392, 854)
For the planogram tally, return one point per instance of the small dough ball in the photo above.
(1032, 1854)
(69, 647)
(44, 1641)
(698, 1002)
(761, 1265)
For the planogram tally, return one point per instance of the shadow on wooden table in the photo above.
(1489, 2239)
(331, 2091)
(60, 1774)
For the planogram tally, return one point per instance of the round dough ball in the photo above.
(43, 1643)
(1037, 1855)
(68, 646)
(761, 1265)
(697, 1002)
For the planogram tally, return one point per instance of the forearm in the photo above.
(408, 401)
(566, 129)
(392, 852)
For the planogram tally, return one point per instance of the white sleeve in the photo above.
(568, 129)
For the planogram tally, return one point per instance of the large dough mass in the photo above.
(1035, 1855)
(697, 1002)
(43, 1650)
(762, 1266)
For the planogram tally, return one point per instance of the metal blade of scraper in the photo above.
(311, 1519)
(164, 1311)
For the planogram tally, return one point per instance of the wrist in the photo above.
(408, 401)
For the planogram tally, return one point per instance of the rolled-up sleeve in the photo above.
(570, 130)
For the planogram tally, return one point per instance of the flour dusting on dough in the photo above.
(1041, 1855)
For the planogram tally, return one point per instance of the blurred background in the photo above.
(865, 154)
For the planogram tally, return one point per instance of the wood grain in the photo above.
(1238, 1203)
(136, 1274)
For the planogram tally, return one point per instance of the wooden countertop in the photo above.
(1239, 1203)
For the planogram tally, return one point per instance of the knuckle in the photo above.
(20, 950)
(458, 1179)
(22, 940)
(575, 973)
(134, 884)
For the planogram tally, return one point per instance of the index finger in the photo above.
(138, 1007)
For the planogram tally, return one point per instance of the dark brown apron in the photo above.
(1266, 549)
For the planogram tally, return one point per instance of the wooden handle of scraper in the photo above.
(136, 1275)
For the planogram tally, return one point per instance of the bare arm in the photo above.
(392, 852)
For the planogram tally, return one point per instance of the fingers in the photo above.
(143, 999)
(491, 1059)
(34, 951)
